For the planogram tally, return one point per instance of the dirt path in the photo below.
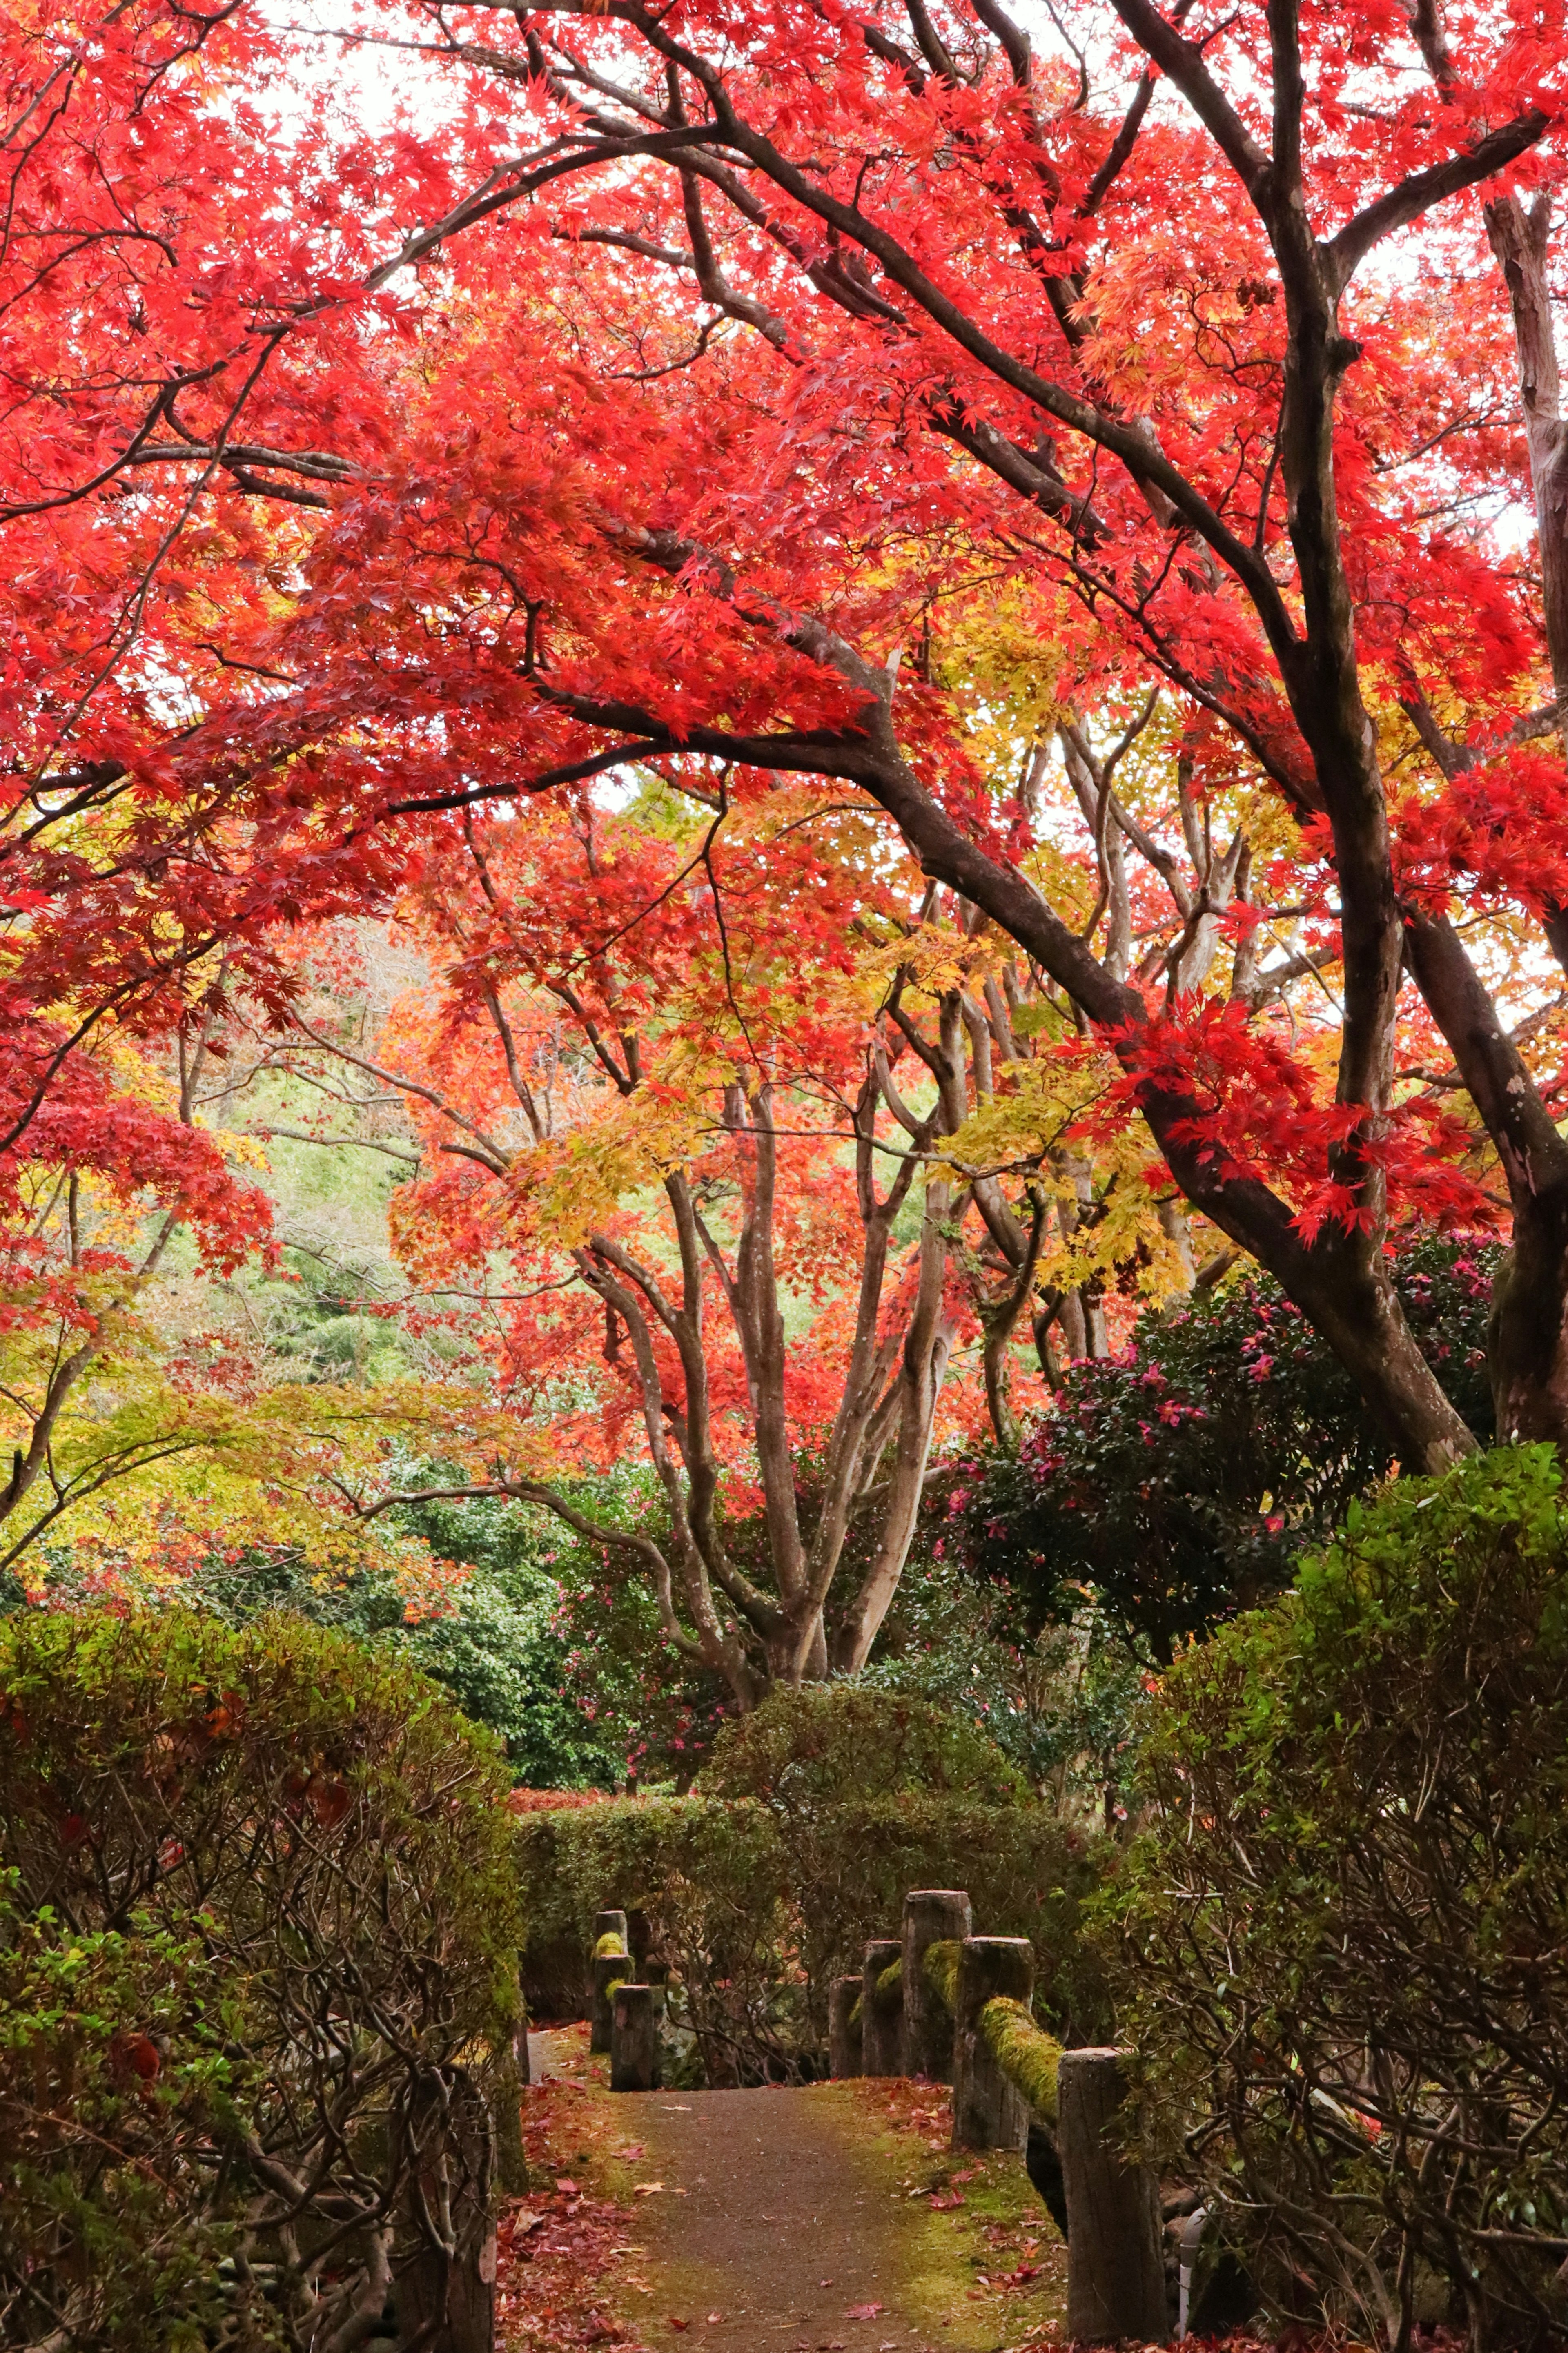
(815, 2220)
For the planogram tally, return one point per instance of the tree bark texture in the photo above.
(931, 1915)
(881, 2023)
(988, 2112)
(1116, 2273)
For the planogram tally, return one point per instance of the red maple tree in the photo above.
(768, 389)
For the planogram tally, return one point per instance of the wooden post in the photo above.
(610, 1923)
(608, 1969)
(881, 2023)
(988, 2112)
(1115, 2274)
(931, 1915)
(633, 2038)
(843, 2039)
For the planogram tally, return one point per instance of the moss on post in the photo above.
(941, 1966)
(1025, 2053)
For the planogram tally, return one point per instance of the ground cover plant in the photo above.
(262, 1947)
(1344, 1928)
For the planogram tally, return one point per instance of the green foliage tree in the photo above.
(1180, 1481)
(117, 2066)
(1345, 1935)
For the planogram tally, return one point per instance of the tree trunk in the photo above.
(1115, 2274)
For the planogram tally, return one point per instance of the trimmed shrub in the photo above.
(313, 1833)
(117, 2063)
(1344, 1940)
(827, 1744)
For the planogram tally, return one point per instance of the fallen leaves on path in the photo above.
(559, 2249)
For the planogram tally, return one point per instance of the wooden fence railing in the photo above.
(955, 2008)
(940, 2002)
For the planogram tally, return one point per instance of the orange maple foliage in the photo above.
(884, 399)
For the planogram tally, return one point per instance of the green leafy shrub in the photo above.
(828, 1743)
(117, 2068)
(1344, 1939)
(757, 1900)
(313, 1831)
(1180, 1481)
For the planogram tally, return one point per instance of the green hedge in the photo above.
(263, 1945)
(1344, 1937)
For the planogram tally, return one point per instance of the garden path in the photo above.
(769, 2221)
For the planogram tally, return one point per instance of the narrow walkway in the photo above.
(775, 2221)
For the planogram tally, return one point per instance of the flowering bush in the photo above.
(1179, 1482)
(1344, 1940)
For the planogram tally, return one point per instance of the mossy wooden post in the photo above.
(988, 2112)
(1116, 2273)
(609, 1957)
(610, 1968)
(931, 1915)
(882, 2021)
(633, 2038)
(843, 2028)
(609, 1924)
